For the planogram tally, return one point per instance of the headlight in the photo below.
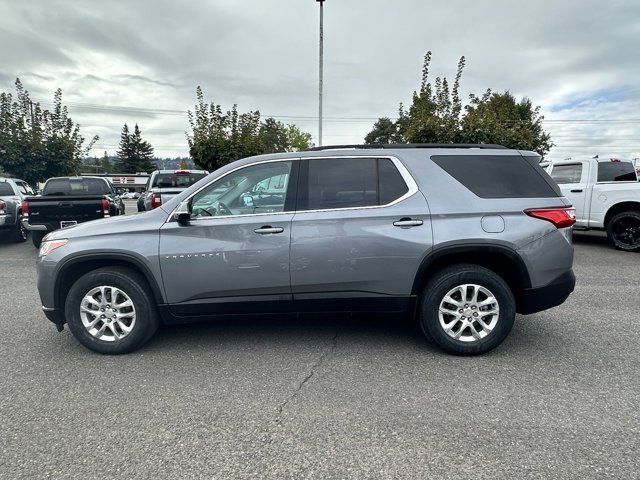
(49, 246)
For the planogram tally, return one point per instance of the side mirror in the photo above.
(182, 214)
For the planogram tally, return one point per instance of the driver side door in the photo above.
(233, 256)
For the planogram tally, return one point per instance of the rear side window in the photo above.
(352, 182)
(5, 189)
(567, 173)
(176, 180)
(616, 172)
(76, 186)
(498, 176)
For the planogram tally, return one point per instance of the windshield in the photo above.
(176, 180)
(76, 186)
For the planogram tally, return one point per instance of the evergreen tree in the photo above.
(134, 153)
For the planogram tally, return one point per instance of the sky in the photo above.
(140, 62)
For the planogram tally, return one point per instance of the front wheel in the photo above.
(623, 231)
(467, 310)
(111, 310)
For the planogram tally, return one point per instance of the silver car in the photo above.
(461, 237)
(12, 192)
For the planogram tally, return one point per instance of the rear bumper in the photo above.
(551, 295)
(39, 228)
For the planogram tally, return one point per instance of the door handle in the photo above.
(578, 190)
(407, 222)
(267, 229)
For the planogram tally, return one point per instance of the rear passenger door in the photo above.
(572, 178)
(359, 233)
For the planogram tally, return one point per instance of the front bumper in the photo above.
(551, 295)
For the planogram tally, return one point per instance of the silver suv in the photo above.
(461, 236)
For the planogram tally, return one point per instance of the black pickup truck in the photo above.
(67, 201)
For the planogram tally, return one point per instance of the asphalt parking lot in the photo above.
(328, 397)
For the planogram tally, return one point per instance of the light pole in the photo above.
(320, 67)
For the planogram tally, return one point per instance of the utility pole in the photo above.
(320, 68)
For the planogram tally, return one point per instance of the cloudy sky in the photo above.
(140, 61)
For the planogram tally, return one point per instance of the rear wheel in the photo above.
(20, 234)
(36, 238)
(623, 231)
(111, 310)
(467, 310)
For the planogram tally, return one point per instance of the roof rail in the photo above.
(484, 146)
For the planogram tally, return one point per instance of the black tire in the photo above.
(623, 231)
(19, 234)
(36, 238)
(136, 288)
(442, 283)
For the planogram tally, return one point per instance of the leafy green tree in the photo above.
(35, 143)
(499, 118)
(134, 153)
(278, 137)
(437, 115)
(219, 138)
(297, 139)
(384, 131)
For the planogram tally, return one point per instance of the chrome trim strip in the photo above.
(406, 176)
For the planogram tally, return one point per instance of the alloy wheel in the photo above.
(107, 313)
(469, 312)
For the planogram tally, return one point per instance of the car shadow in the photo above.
(590, 238)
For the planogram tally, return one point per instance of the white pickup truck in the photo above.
(606, 195)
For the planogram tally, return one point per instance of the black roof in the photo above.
(484, 146)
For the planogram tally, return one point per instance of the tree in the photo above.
(35, 143)
(134, 153)
(218, 138)
(105, 164)
(278, 137)
(499, 118)
(436, 115)
(384, 131)
(182, 165)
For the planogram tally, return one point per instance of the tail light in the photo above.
(106, 207)
(561, 217)
(156, 201)
(25, 207)
(3, 206)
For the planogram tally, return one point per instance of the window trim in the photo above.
(412, 186)
(406, 176)
(198, 219)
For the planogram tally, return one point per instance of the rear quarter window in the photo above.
(499, 176)
(616, 172)
(5, 189)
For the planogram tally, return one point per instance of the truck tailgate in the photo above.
(55, 210)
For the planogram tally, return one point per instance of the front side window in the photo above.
(255, 189)
(352, 182)
(616, 172)
(563, 174)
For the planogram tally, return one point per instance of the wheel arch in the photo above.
(75, 267)
(619, 208)
(502, 260)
